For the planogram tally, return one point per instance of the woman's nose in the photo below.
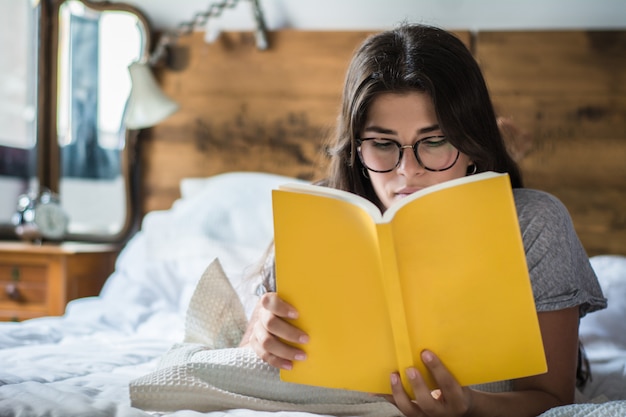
(409, 165)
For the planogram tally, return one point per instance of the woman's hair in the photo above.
(425, 59)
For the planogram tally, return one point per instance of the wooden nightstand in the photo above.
(39, 280)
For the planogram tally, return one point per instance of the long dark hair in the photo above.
(426, 59)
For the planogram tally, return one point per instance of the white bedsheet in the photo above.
(81, 364)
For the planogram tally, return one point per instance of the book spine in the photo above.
(395, 302)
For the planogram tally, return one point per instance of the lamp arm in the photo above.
(200, 19)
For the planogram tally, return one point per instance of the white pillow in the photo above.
(226, 216)
(603, 332)
(190, 187)
(232, 209)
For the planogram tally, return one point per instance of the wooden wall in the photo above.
(567, 91)
(249, 110)
(245, 109)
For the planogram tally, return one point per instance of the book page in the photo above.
(465, 283)
(369, 207)
(391, 211)
(328, 268)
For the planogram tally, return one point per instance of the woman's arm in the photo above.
(531, 396)
(268, 330)
(536, 394)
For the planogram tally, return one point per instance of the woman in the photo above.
(416, 112)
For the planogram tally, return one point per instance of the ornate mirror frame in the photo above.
(84, 191)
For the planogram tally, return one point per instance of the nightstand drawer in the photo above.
(39, 280)
(23, 284)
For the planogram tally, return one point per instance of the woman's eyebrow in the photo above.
(382, 130)
(428, 129)
(378, 129)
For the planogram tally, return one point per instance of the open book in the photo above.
(444, 269)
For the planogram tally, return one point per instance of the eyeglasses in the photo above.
(433, 153)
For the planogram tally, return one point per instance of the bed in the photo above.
(207, 173)
(104, 349)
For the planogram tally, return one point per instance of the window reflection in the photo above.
(86, 159)
(94, 89)
(96, 46)
(19, 36)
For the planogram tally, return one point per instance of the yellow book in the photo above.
(444, 269)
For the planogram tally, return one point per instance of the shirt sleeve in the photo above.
(560, 271)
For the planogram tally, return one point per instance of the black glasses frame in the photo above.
(360, 141)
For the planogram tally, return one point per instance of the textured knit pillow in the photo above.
(215, 317)
(208, 373)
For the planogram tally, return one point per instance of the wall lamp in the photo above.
(147, 104)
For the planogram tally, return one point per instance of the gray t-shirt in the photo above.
(558, 265)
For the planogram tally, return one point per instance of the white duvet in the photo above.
(81, 364)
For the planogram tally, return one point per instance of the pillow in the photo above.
(215, 317)
(234, 208)
(226, 216)
(207, 373)
(190, 187)
(603, 332)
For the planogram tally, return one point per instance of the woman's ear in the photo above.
(518, 142)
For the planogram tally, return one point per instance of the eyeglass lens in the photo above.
(383, 155)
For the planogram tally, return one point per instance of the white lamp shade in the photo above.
(147, 105)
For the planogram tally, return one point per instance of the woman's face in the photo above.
(406, 118)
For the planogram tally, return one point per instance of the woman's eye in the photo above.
(435, 142)
(384, 144)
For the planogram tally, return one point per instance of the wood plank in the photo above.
(566, 93)
(283, 136)
(298, 63)
(570, 139)
(553, 62)
(599, 216)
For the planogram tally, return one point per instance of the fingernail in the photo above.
(411, 373)
(394, 379)
(292, 314)
(287, 366)
(303, 339)
(427, 356)
(300, 356)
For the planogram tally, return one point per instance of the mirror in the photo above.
(91, 164)
(19, 104)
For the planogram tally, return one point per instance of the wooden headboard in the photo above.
(248, 110)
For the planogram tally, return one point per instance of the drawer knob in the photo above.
(13, 292)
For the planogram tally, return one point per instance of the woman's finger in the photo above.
(271, 336)
(273, 351)
(402, 400)
(275, 325)
(277, 306)
(450, 396)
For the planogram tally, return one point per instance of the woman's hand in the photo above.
(268, 331)
(449, 400)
